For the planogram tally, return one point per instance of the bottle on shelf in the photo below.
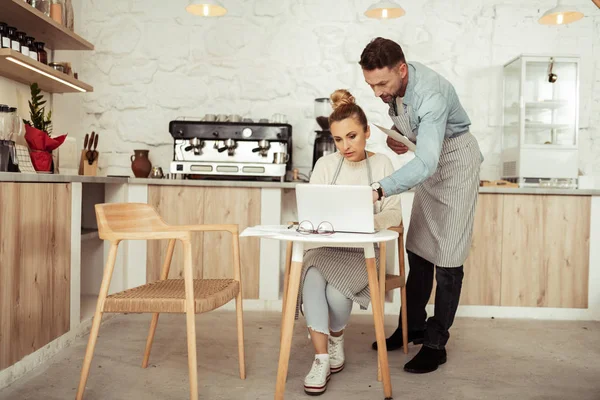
(4, 39)
(42, 55)
(32, 49)
(23, 42)
(14, 41)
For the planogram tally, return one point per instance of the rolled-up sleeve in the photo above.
(433, 115)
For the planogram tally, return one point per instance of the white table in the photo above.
(303, 242)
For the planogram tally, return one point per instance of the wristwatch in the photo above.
(377, 188)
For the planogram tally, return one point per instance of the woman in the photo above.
(334, 278)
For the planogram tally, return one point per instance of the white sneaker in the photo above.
(315, 382)
(336, 353)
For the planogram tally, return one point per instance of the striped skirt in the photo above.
(443, 212)
(343, 268)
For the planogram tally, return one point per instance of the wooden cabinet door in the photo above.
(35, 267)
(545, 252)
(483, 268)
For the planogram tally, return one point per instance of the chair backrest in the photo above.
(127, 217)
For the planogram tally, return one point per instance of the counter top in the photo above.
(530, 190)
(49, 178)
(213, 183)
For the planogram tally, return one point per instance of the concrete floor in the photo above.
(487, 359)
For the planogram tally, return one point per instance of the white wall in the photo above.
(153, 62)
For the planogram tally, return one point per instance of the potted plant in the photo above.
(38, 132)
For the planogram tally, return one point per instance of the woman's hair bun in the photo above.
(341, 97)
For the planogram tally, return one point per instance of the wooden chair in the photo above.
(396, 281)
(130, 221)
(391, 281)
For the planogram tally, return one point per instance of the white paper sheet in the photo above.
(398, 137)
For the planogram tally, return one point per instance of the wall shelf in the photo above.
(17, 67)
(28, 19)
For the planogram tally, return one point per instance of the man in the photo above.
(445, 174)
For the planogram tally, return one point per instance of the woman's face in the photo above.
(350, 138)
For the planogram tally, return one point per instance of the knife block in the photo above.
(85, 168)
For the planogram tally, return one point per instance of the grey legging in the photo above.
(325, 308)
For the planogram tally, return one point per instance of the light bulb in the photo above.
(384, 13)
(560, 18)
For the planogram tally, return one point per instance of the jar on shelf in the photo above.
(4, 39)
(42, 55)
(32, 49)
(57, 11)
(14, 41)
(23, 42)
(43, 6)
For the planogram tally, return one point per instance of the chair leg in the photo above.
(240, 330)
(237, 272)
(190, 318)
(192, 360)
(404, 309)
(153, 324)
(404, 321)
(89, 354)
(164, 274)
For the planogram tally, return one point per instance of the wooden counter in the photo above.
(529, 251)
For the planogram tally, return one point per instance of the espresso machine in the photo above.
(243, 150)
(324, 143)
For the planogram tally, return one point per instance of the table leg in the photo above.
(288, 319)
(378, 320)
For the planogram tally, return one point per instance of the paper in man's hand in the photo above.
(398, 137)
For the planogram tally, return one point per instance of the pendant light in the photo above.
(560, 15)
(385, 10)
(206, 8)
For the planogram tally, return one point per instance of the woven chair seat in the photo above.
(168, 296)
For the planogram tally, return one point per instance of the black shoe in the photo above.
(426, 360)
(394, 342)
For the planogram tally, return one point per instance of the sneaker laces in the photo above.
(335, 347)
(316, 371)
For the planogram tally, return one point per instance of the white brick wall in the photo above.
(154, 62)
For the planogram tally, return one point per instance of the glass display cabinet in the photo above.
(541, 121)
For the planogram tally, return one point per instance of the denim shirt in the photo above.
(435, 113)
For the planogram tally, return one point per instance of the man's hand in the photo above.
(396, 146)
(375, 197)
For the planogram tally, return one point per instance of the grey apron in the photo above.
(443, 212)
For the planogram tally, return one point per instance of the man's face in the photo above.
(387, 83)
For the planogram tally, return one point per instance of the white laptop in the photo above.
(348, 208)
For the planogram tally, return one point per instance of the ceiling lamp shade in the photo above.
(560, 15)
(206, 8)
(385, 10)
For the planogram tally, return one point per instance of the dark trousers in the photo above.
(418, 291)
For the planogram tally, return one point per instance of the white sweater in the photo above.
(389, 210)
